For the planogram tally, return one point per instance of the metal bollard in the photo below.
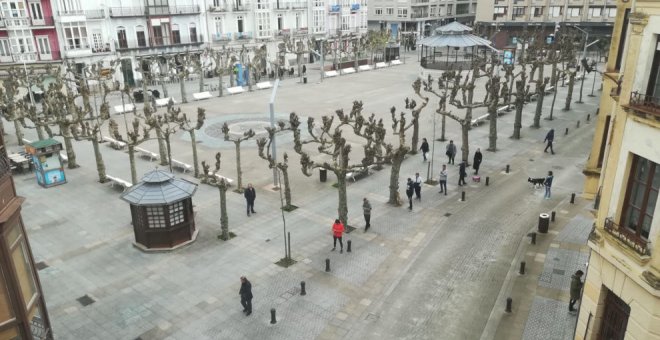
(522, 268)
(273, 319)
(588, 117)
(487, 180)
(348, 247)
(578, 123)
(532, 235)
(463, 196)
(507, 168)
(565, 133)
(509, 302)
(302, 288)
(552, 216)
(573, 198)
(327, 265)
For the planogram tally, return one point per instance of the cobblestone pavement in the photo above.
(433, 273)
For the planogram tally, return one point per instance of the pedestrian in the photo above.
(476, 162)
(410, 188)
(451, 152)
(250, 196)
(443, 180)
(366, 208)
(576, 289)
(424, 148)
(549, 138)
(548, 184)
(462, 174)
(246, 295)
(337, 232)
(418, 186)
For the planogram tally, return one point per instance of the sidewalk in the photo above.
(540, 296)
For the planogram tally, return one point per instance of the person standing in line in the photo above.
(246, 295)
(462, 174)
(576, 289)
(410, 188)
(549, 138)
(425, 148)
(443, 180)
(337, 232)
(548, 184)
(476, 162)
(366, 208)
(451, 152)
(250, 195)
(418, 186)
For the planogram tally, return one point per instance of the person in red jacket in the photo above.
(337, 231)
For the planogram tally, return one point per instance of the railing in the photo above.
(126, 11)
(190, 9)
(95, 14)
(102, 49)
(242, 35)
(221, 36)
(17, 22)
(283, 32)
(243, 7)
(298, 5)
(418, 15)
(154, 43)
(301, 31)
(628, 237)
(81, 46)
(70, 12)
(45, 21)
(647, 104)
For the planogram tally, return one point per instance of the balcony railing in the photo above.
(71, 12)
(646, 104)
(154, 43)
(173, 10)
(244, 7)
(221, 36)
(126, 11)
(628, 237)
(95, 14)
(45, 21)
(17, 22)
(242, 35)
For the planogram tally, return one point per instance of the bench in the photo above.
(381, 65)
(578, 77)
(549, 89)
(330, 74)
(364, 67)
(533, 97)
(477, 121)
(264, 85)
(235, 90)
(396, 62)
(63, 157)
(26, 141)
(164, 101)
(355, 175)
(181, 165)
(114, 143)
(348, 70)
(504, 109)
(146, 153)
(119, 109)
(219, 177)
(118, 181)
(202, 95)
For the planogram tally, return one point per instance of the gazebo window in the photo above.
(176, 213)
(156, 217)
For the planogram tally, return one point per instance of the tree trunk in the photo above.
(442, 129)
(248, 77)
(569, 95)
(239, 174)
(193, 140)
(415, 137)
(554, 98)
(70, 153)
(517, 125)
(342, 208)
(220, 85)
(2, 127)
(162, 149)
(539, 106)
(40, 131)
(231, 78)
(201, 80)
(100, 166)
(182, 85)
(131, 159)
(19, 131)
(162, 84)
(287, 188)
(224, 220)
(397, 160)
(169, 151)
(465, 141)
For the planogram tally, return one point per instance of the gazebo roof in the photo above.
(454, 34)
(453, 28)
(159, 187)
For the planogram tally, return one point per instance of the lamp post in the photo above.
(593, 85)
(584, 58)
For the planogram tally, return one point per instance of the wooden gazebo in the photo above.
(162, 211)
(453, 46)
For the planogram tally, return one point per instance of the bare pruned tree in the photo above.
(237, 140)
(222, 185)
(175, 115)
(264, 145)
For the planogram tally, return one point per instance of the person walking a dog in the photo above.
(548, 184)
(425, 148)
(451, 152)
(549, 138)
(410, 188)
(443, 180)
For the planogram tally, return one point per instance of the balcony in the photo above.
(221, 37)
(283, 32)
(627, 237)
(45, 21)
(173, 10)
(301, 31)
(298, 5)
(118, 12)
(128, 45)
(646, 106)
(102, 49)
(69, 12)
(95, 14)
(243, 35)
(17, 22)
(244, 7)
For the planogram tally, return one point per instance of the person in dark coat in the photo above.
(410, 188)
(418, 186)
(250, 196)
(366, 208)
(476, 162)
(576, 289)
(425, 148)
(461, 174)
(246, 295)
(451, 152)
(549, 138)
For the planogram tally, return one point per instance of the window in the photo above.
(499, 11)
(161, 31)
(319, 3)
(218, 26)
(432, 10)
(610, 12)
(345, 22)
(4, 48)
(622, 40)
(556, 11)
(538, 11)
(192, 29)
(280, 22)
(141, 37)
(176, 34)
(97, 41)
(6, 310)
(121, 37)
(402, 13)
(262, 4)
(518, 11)
(641, 196)
(69, 6)
(297, 20)
(21, 261)
(653, 87)
(389, 10)
(157, 7)
(75, 35)
(574, 12)
(263, 24)
(319, 20)
(239, 24)
(35, 10)
(595, 12)
(156, 217)
(14, 9)
(177, 213)
(43, 45)
(450, 9)
(379, 11)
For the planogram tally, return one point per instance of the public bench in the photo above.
(119, 109)
(477, 121)
(164, 101)
(396, 62)
(330, 74)
(217, 176)
(146, 153)
(202, 95)
(264, 85)
(235, 90)
(181, 165)
(114, 143)
(118, 181)
(364, 68)
(381, 65)
(348, 70)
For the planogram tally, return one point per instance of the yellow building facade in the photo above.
(621, 297)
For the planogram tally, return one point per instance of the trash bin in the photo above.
(323, 175)
(544, 222)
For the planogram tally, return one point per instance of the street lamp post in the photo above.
(593, 85)
(584, 59)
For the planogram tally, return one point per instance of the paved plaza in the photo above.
(438, 272)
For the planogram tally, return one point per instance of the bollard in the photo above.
(533, 237)
(302, 288)
(552, 216)
(565, 133)
(507, 168)
(509, 302)
(588, 117)
(578, 123)
(487, 180)
(462, 196)
(348, 247)
(273, 320)
(573, 198)
(522, 268)
(327, 265)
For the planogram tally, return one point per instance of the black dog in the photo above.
(537, 182)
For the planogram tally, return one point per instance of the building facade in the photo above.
(27, 33)
(503, 20)
(419, 16)
(621, 297)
